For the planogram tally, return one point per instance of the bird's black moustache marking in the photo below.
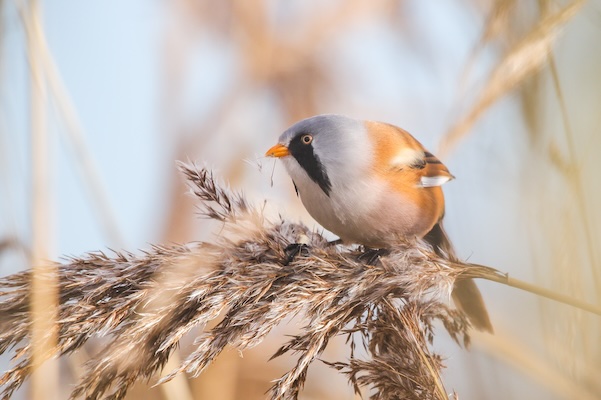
(306, 157)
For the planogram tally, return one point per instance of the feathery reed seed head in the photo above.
(144, 304)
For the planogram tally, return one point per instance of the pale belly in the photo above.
(375, 217)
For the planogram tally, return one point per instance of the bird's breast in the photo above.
(371, 212)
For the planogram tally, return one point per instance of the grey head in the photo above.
(323, 146)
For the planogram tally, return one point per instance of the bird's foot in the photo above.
(372, 256)
(294, 249)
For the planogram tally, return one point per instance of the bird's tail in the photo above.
(466, 295)
(467, 298)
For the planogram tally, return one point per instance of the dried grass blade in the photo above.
(528, 56)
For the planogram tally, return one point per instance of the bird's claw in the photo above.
(372, 256)
(294, 249)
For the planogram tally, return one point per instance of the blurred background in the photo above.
(98, 99)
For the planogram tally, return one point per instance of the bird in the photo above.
(372, 183)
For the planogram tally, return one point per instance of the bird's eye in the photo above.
(306, 139)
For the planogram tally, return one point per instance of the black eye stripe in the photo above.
(309, 161)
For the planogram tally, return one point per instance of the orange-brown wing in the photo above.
(398, 150)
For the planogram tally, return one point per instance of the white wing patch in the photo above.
(430, 181)
(406, 157)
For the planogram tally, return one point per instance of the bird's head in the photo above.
(326, 149)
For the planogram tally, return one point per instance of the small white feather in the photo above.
(406, 157)
(430, 181)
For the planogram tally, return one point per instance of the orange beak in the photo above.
(279, 150)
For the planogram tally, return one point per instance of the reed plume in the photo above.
(143, 304)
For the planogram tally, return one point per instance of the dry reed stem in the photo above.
(574, 256)
(43, 301)
(73, 133)
(574, 177)
(144, 304)
(178, 388)
(525, 58)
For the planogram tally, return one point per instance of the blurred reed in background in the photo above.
(509, 89)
